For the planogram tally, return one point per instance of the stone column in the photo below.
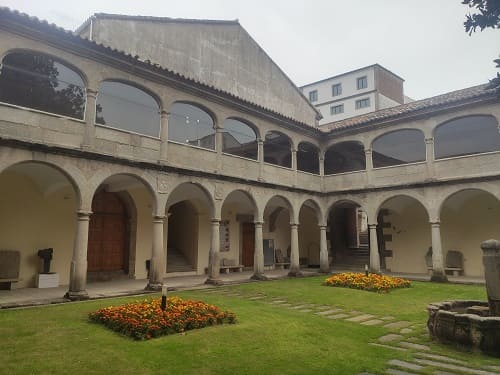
(258, 257)
(321, 158)
(294, 166)
(429, 156)
(369, 166)
(260, 149)
(491, 262)
(78, 271)
(294, 256)
(213, 255)
(323, 250)
(90, 110)
(374, 254)
(164, 117)
(165, 242)
(157, 265)
(218, 146)
(438, 273)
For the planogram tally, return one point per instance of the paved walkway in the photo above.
(401, 335)
(35, 296)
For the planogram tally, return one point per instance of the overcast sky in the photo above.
(422, 41)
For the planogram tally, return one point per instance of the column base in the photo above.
(156, 287)
(378, 272)
(212, 281)
(439, 278)
(259, 277)
(295, 274)
(325, 271)
(77, 296)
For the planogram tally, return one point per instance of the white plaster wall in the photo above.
(309, 236)
(385, 102)
(281, 234)
(349, 107)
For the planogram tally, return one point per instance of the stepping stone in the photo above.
(299, 307)
(337, 316)
(256, 298)
(390, 337)
(328, 312)
(459, 368)
(442, 358)
(388, 347)
(405, 331)
(278, 301)
(286, 305)
(372, 322)
(304, 310)
(405, 365)
(387, 318)
(354, 312)
(444, 373)
(411, 345)
(323, 307)
(400, 324)
(360, 318)
(494, 368)
(393, 371)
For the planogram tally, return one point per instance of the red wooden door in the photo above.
(108, 237)
(248, 244)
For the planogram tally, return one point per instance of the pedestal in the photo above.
(47, 280)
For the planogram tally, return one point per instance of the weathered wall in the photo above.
(222, 55)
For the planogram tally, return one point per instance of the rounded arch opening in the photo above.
(240, 138)
(127, 106)
(278, 214)
(277, 149)
(191, 124)
(348, 156)
(42, 82)
(309, 234)
(398, 147)
(466, 136)
(308, 158)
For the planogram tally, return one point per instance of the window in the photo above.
(40, 82)
(239, 139)
(337, 89)
(466, 136)
(277, 149)
(336, 109)
(191, 125)
(307, 158)
(362, 83)
(127, 107)
(313, 96)
(398, 147)
(362, 103)
(344, 157)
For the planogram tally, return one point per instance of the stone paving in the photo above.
(400, 337)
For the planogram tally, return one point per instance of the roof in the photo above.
(352, 71)
(42, 26)
(412, 109)
(153, 19)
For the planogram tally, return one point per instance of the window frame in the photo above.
(334, 112)
(337, 89)
(364, 82)
(313, 96)
(359, 101)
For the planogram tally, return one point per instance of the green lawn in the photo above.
(266, 340)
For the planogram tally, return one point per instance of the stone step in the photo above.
(373, 322)
(441, 358)
(411, 345)
(328, 312)
(459, 368)
(360, 318)
(388, 347)
(405, 365)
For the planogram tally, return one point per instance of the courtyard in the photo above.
(292, 326)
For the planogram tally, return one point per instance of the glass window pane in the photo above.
(191, 125)
(307, 158)
(239, 139)
(466, 136)
(277, 149)
(126, 107)
(398, 147)
(345, 157)
(42, 83)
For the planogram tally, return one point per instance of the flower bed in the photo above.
(372, 282)
(144, 320)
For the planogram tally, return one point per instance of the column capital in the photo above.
(322, 227)
(436, 223)
(293, 150)
(83, 215)
(372, 226)
(258, 223)
(260, 141)
(164, 113)
(368, 151)
(158, 218)
(91, 92)
(294, 225)
(215, 221)
(429, 141)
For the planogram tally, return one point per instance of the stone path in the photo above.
(401, 336)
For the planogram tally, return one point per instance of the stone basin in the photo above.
(466, 324)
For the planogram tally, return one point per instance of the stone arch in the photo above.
(206, 194)
(409, 148)
(384, 198)
(288, 204)
(458, 191)
(308, 157)
(240, 138)
(252, 125)
(316, 207)
(201, 106)
(248, 194)
(73, 176)
(345, 156)
(278, 148)
(347, 200)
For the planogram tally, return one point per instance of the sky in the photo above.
(422, 41)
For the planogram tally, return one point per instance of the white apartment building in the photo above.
(355, 93)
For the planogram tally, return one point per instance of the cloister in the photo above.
(128, 170)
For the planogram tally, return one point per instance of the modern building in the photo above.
(355, 93)
(152, 147)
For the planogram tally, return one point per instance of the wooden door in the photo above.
(108, 235)
(248, 244)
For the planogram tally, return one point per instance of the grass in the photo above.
(266, 340)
